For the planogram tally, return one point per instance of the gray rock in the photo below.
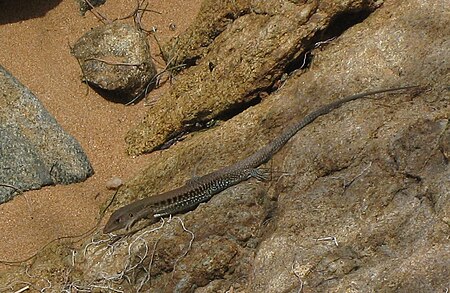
(34, 150)
(115, 60)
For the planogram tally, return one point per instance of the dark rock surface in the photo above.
(35, 9)
(85, 6)
(115, 59)
(362, 204)
(34, 150)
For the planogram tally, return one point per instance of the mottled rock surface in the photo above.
(241, 49)
(34, 150)
(362, 203)
(115, 59)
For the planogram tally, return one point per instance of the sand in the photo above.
(35, 37)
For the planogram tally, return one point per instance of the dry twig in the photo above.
(331, 238)
(97, 14)
(298, 276)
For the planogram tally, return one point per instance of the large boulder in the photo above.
(34, 150)
(236, 52)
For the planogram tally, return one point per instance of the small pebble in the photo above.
(114, 183)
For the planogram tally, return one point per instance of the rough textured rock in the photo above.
(34, 150)
(245, 49)
(84, 6)
(373, 175)
(115, 59)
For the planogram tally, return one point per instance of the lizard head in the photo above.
(121, 218)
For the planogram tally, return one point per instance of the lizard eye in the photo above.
(130, 215)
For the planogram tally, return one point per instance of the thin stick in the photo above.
(113, 63)
(359, 175)
(189, 246)
(331, 238)
(23, 289)
(11, 186)
(132, 13)
(96, 13)
(18, 262)
(152, 257)
(152, 81)
(298, 276)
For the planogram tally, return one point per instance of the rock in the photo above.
(373, 175)
(114, 183)
(84, 6)
(34, 150)
(270, 35)
(115, 60)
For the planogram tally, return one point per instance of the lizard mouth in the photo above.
(130, 224)
(108, 228)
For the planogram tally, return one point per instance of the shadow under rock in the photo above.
(18, 10)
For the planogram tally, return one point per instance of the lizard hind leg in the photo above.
(260, 174)
(195, 178)
(192, 181)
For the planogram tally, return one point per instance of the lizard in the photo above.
(201, 189)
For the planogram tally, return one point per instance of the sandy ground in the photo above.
(35, 38)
